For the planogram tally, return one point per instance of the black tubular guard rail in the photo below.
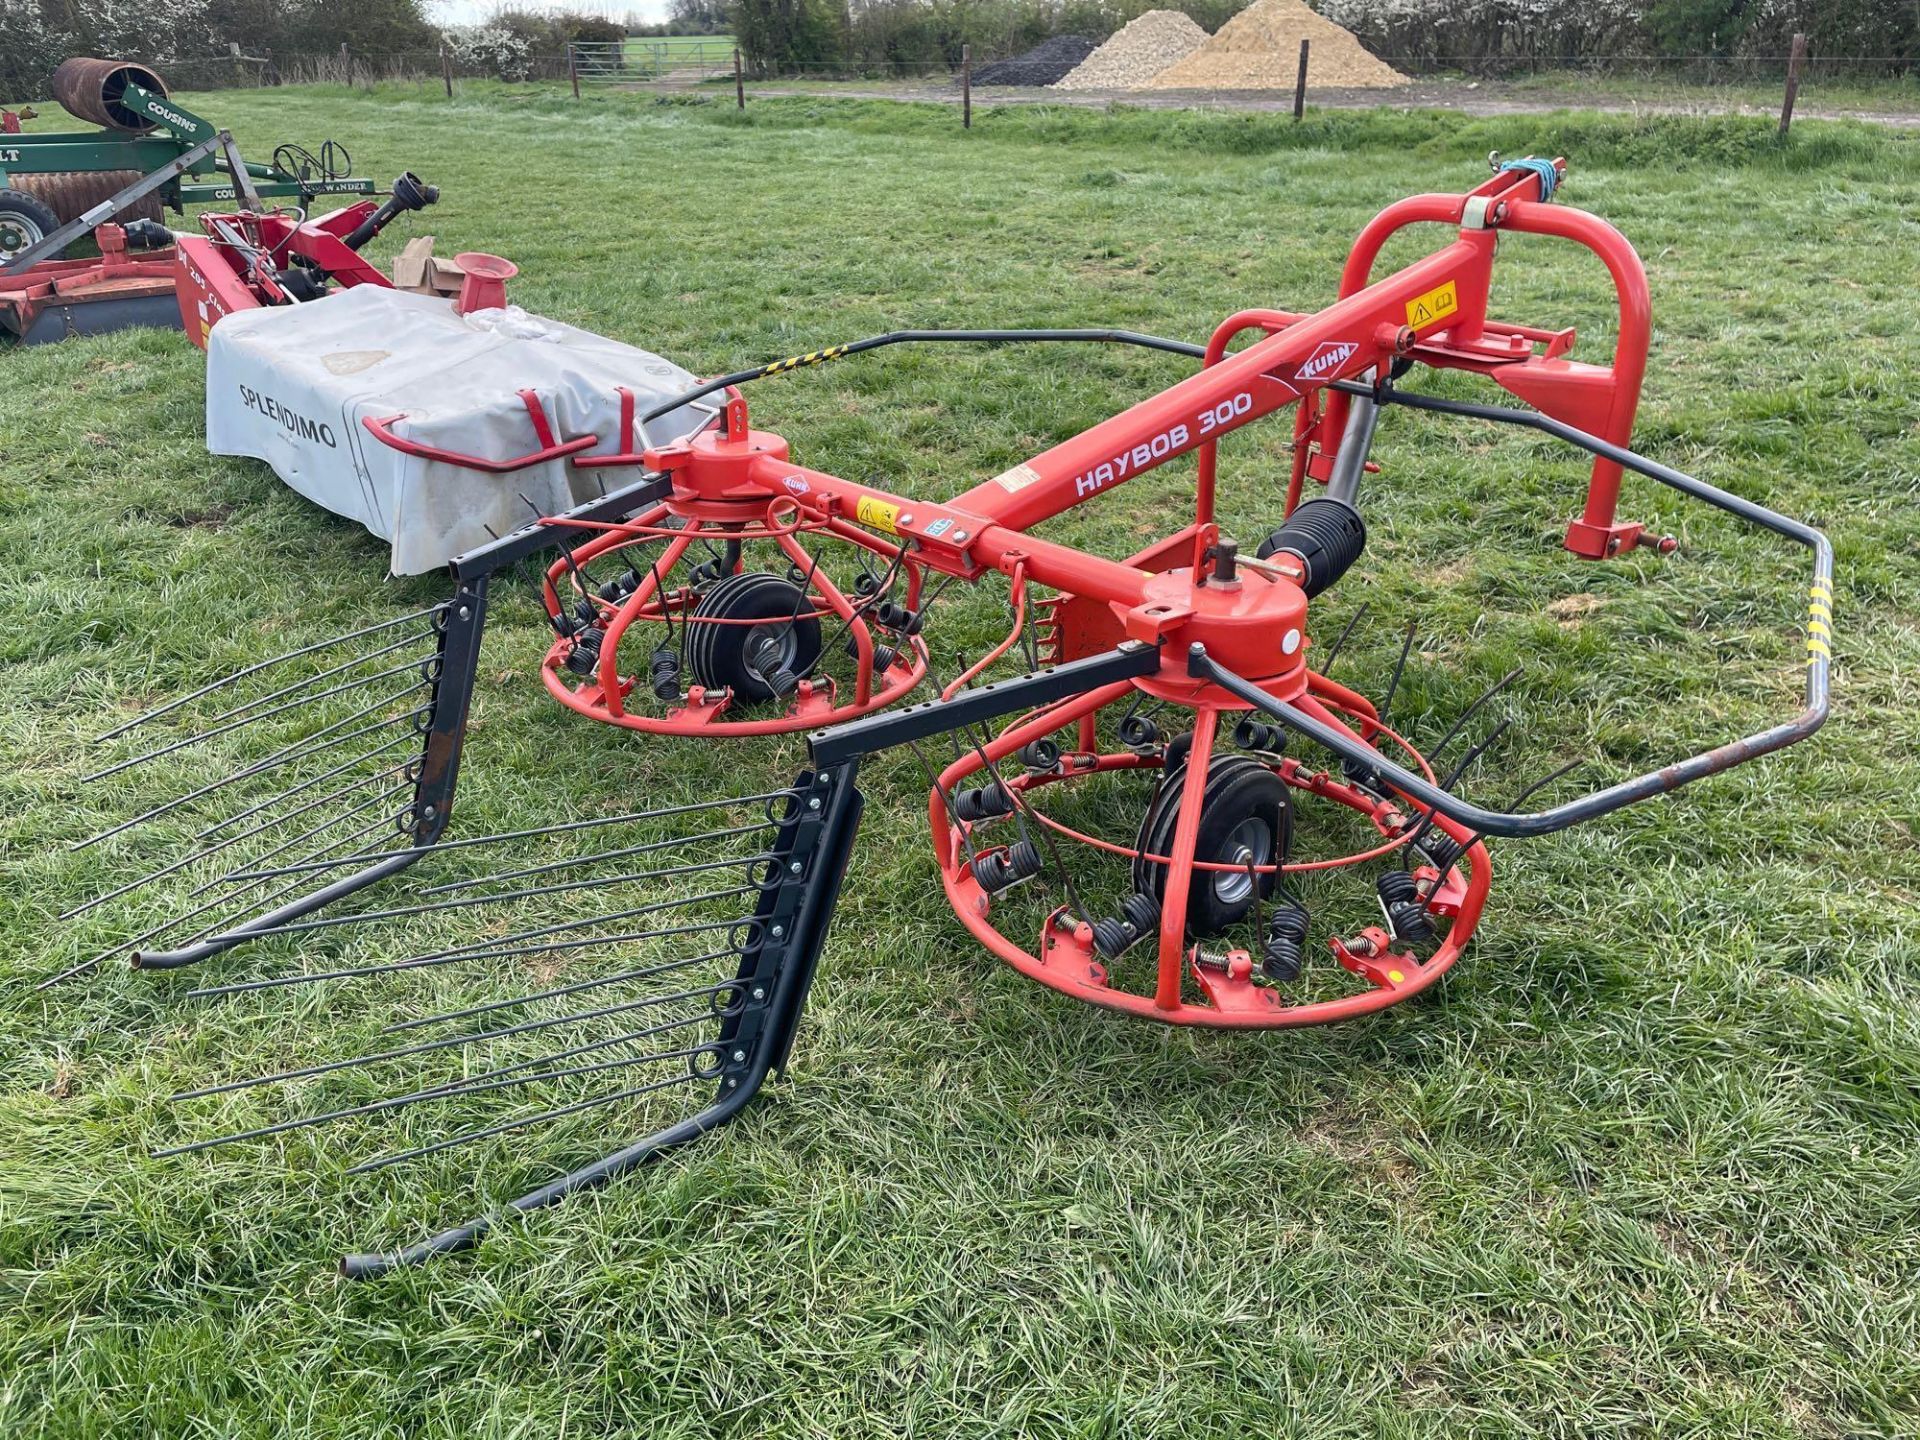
(1626, 792)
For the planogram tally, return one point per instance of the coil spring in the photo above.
(1283, 954)
(583, 656)
(985, 802)
(1358, 772)
(765, 658)
(1406, 911)
(866, 583)
(663, 672)
(883, 655)
(705, 573)
(1441, 849)
(616, 590)
(897, 618)
(997, 870)
(1040, 756)
(1139, 917)
(1253, 734)
(1139, 732)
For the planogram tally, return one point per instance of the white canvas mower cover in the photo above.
(295, 385)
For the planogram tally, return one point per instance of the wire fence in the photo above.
(1730, 82)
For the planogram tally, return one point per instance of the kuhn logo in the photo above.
(797, 484)
(1326, 359)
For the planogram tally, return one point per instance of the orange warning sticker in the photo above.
(1436, 304)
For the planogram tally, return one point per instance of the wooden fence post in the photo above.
(1300, 84)
(739, 82)
(573, 69)
(1794, 61)
(446, 68)
(966, 87)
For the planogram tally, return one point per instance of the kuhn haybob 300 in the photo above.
(1117, 824)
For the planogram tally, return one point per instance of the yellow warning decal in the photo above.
(1819, 623)
(1436, 304)
(877, 513)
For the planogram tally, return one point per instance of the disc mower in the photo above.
(1126, 823)
(56, 188)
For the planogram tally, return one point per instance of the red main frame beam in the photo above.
(1434, 310)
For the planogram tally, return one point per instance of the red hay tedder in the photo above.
(764, 596)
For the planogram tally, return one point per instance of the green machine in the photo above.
(51, 179)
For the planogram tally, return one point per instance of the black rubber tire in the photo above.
(1239, 790)
(718, 653)
(24, 220)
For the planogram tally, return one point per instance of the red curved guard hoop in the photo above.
(551, 448)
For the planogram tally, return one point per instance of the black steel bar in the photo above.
(843, 743)
(923, 337)
(232, 840)
(547, 867)
(258, 666)
(175, 922)
(329, 922)
(292, 790)
(422, 638)
(1812, 715)
(449, 1091)
(488, 951)
(570, 826)
(666, 967)
(445, 1042)
(277, 919)
(285, 756)
(521, 1122)
(247, 720)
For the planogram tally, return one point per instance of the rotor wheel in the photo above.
(1245, 818)
(757, 644)
(24, 221)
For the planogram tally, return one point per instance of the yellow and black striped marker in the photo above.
(1819, 622)
(812, 357)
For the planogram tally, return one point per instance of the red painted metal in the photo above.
(550, 447)
(216, 279)
(116, 274)
(1186, 990)
(731, 483)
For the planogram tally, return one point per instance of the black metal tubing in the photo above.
(787, 969)
(1605, 801)
(491, 558)
(926, 337)
(841, 743)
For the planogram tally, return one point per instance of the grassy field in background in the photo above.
(705, 47)
(1646, 1163)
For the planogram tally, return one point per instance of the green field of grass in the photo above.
(673, 47)
(1646, 1163)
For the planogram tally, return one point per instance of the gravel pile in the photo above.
(1259, 49)
(1046, 63)
(1148, 44)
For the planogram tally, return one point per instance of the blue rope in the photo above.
(1549, 177)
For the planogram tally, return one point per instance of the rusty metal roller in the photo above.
(71, 193)
(91, 90)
